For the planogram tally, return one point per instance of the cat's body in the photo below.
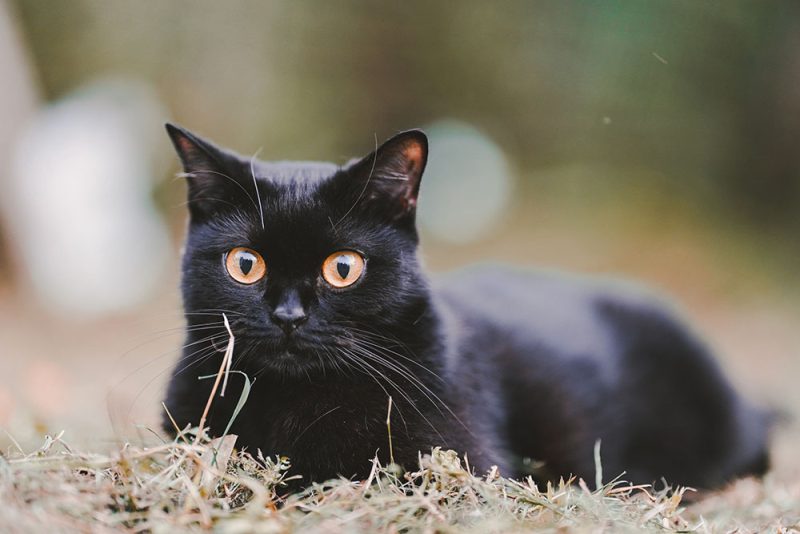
(581, 359)
(495, 363)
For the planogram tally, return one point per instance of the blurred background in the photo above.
(651, 140)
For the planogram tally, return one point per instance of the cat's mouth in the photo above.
(288, 355)
(290, 358)
(299, 351)
(292, 348)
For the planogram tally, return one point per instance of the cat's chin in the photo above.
(291, 365)
(287, 357)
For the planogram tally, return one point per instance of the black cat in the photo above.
(316, 267)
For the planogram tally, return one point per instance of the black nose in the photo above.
(289, 313)
(289, 319)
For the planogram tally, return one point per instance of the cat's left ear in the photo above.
(196, 154)
(391, 175)
(211, 173)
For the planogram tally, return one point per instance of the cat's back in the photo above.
(543, 308)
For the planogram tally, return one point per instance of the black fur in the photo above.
(492, 362)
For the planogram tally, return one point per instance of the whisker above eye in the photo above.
(255, 186)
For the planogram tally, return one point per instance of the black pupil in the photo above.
(245, 263)
(343, 266)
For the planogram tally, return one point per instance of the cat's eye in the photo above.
(245, 265)
(343, 268)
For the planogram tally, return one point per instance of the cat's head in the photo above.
(310, 262)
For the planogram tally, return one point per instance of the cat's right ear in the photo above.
(387, 181)
(209, 173)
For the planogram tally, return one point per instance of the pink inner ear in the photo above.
(413, 153)
(186, 145)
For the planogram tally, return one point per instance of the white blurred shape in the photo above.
(84, 227)
(467, 183)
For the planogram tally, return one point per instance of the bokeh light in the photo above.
(467, 185)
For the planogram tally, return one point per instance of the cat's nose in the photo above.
(289, 313)
(289, 318)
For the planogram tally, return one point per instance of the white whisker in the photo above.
(255, 186)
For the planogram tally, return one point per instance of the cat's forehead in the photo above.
(292, 190)
(287, 172)
(291, 199)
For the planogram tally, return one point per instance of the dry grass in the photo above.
(182, 486)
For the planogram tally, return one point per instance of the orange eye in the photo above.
(343, 268)
(245, 265)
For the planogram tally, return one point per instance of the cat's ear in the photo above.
(391, 175)
(212, 173)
